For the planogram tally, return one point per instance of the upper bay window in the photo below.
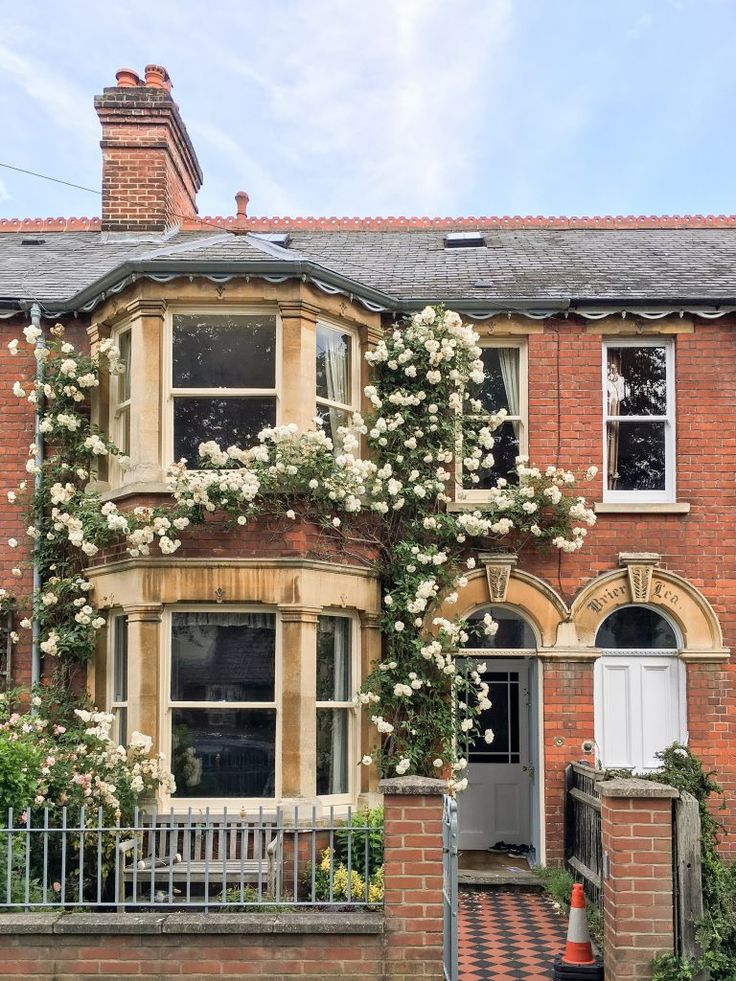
(336, 376)
(223, 380)
(504, 387)
(639, 420)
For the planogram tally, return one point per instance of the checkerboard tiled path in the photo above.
(508, 936)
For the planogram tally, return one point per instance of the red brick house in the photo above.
(606, 339)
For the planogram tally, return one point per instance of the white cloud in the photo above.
(65, 103)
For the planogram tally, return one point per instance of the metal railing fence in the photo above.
(449, 890)
(291, 857)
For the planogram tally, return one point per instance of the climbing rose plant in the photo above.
(425, 431)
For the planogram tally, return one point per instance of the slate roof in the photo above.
(524, 266)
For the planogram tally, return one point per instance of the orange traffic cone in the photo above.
(578, 959)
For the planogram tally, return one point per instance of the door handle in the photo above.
(530, 769)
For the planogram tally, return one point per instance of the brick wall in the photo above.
(155, 947)
(636, 834)
(568, 720)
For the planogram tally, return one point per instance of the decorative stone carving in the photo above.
(498, 566)
(639, 566)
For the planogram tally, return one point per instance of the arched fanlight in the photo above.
(636, 628)
(514, 630)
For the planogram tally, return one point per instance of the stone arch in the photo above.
(537, 601)
(678, 600)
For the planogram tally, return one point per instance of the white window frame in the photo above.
(170, 393)
(324, 403)
(468, 494)
(668, 495)
(119, 407)
(353, 746)
(180, 802)
(116, 706)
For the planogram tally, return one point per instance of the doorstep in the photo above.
(482, 868)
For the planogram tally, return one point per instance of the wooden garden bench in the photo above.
(179, 851)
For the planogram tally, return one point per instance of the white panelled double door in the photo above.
(640, 707)
(496, 805)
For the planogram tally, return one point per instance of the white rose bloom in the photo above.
(367, 760)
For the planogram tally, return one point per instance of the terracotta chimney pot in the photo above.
(157, 77)
(127, 78)
(241, 204)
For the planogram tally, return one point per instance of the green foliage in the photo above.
(558, 883)
(13, 853)
(20, 764)
(365, 825)
(716, 932)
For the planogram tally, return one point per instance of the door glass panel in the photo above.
(514, 633)
(503, 717)
(636, 627)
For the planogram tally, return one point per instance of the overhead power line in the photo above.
(46, 177)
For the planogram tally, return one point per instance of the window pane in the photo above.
(333, 660)
(122, 725)
(221, 351)
(500, 389)
(634, 627)
(333, 365)
(124, 379)
(124, 430)
(120, 668)
(226, 420)
(223, 657)
(513, 631)
(636, 456)
(224, 752)
(333, 726)
(505, 451)
(332, 419)
(637, 381)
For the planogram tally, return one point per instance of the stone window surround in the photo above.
(148, 313)
(298, 591)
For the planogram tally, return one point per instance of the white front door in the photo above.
(496, 805)
(639, 707)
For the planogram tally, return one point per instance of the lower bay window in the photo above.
(224, 718)
(222, 704)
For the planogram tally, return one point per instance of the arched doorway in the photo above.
(499, 802)
(639, 682)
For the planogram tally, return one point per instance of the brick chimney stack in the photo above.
(150, 172)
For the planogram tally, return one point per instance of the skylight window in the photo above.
(464, 240)
(276, 238)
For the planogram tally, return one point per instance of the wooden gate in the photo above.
(583, 850)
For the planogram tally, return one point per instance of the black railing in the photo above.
(583, 850)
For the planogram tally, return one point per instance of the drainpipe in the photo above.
(37, 519)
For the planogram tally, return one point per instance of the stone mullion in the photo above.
(298, 369)
(298, 702)
(144, 675)
(146, 431)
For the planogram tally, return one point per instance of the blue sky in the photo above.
(390, 106)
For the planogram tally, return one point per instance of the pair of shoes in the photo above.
(502, 847)
(516, 851)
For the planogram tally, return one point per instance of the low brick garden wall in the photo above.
(200, 947)
(401, 942)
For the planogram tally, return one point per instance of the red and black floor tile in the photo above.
(508, 936)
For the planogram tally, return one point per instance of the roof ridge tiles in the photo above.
(392, 223)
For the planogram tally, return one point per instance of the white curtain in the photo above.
(509, 360)
(336, 351)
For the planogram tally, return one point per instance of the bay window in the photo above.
(223, 380)
(336, 378)
(504, 387)
(638, 411)
(335, 710)
(222, 704)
